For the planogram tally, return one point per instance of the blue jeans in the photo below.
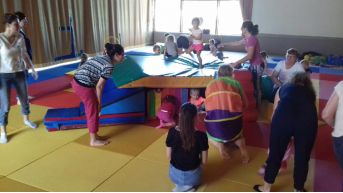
(338, 149)
(18, 79)
(182, 178)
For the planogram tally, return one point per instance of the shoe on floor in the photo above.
(31, 124)
(3, 138)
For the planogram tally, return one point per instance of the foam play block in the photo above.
(63, 119)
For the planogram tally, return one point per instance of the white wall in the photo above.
(322, 18)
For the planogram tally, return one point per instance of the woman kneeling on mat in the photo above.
(88, 83)
(225, 102)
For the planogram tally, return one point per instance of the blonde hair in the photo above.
(225, 71)
(194, 90)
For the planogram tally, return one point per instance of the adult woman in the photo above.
(88, 83)
(332, 114)
(13, 59)
(225, 102)
(252, 46)
(295, 116)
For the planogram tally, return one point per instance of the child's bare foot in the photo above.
(97, 143)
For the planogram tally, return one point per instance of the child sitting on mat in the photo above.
(167, 112)
(187, 150)
(170, 47)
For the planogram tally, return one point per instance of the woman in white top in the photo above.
(13, 59)
(332, 114)
(285, 70)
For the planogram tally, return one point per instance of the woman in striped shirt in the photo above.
(88, 83)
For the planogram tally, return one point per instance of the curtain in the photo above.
(246, 6)
(135, 21)
(94, 22)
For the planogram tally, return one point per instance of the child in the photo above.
(170, 47)
(156, 49)
(187, 150)
(196, 35)
(84, 58)
(167, 112)
(264, 65)
(215, 51)
(306, 66)
(196, 99)
(225, 103)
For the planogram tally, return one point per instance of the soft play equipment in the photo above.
(140, 69)
(267, 88)
(119, 106)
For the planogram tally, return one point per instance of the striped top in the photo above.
(90, 72)
(224, 94)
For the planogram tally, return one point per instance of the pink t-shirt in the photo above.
(252, 41)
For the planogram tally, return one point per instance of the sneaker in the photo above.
(31, 124)
(3, 138)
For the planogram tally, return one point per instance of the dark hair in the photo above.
(225, 71)
(293, 51)
(264, 54)
(156, 47)
(302, 79)
(20, 15)
(9, 18)
(253, 29)
(187, 114)
(196, 19)
(112, 49)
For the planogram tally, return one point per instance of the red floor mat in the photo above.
(45, 88)
(62, 99)
(328, 176)
(323, 145)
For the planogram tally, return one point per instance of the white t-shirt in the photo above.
(284, 74)
(11, 56)
(338, 129)
(171, 48)
(196, 32)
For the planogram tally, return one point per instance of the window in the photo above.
(221, 17)
(167, 15)
(206, 10)
(229, 18)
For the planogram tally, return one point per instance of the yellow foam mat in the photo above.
(232, 170)
(139, 176)
(27, 145)
(73, 167)
(224, 185)
(246, 174)
(127, 139)
(156, 152)
(15, 120)
(8, 185)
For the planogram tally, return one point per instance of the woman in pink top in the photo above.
(252, 46)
